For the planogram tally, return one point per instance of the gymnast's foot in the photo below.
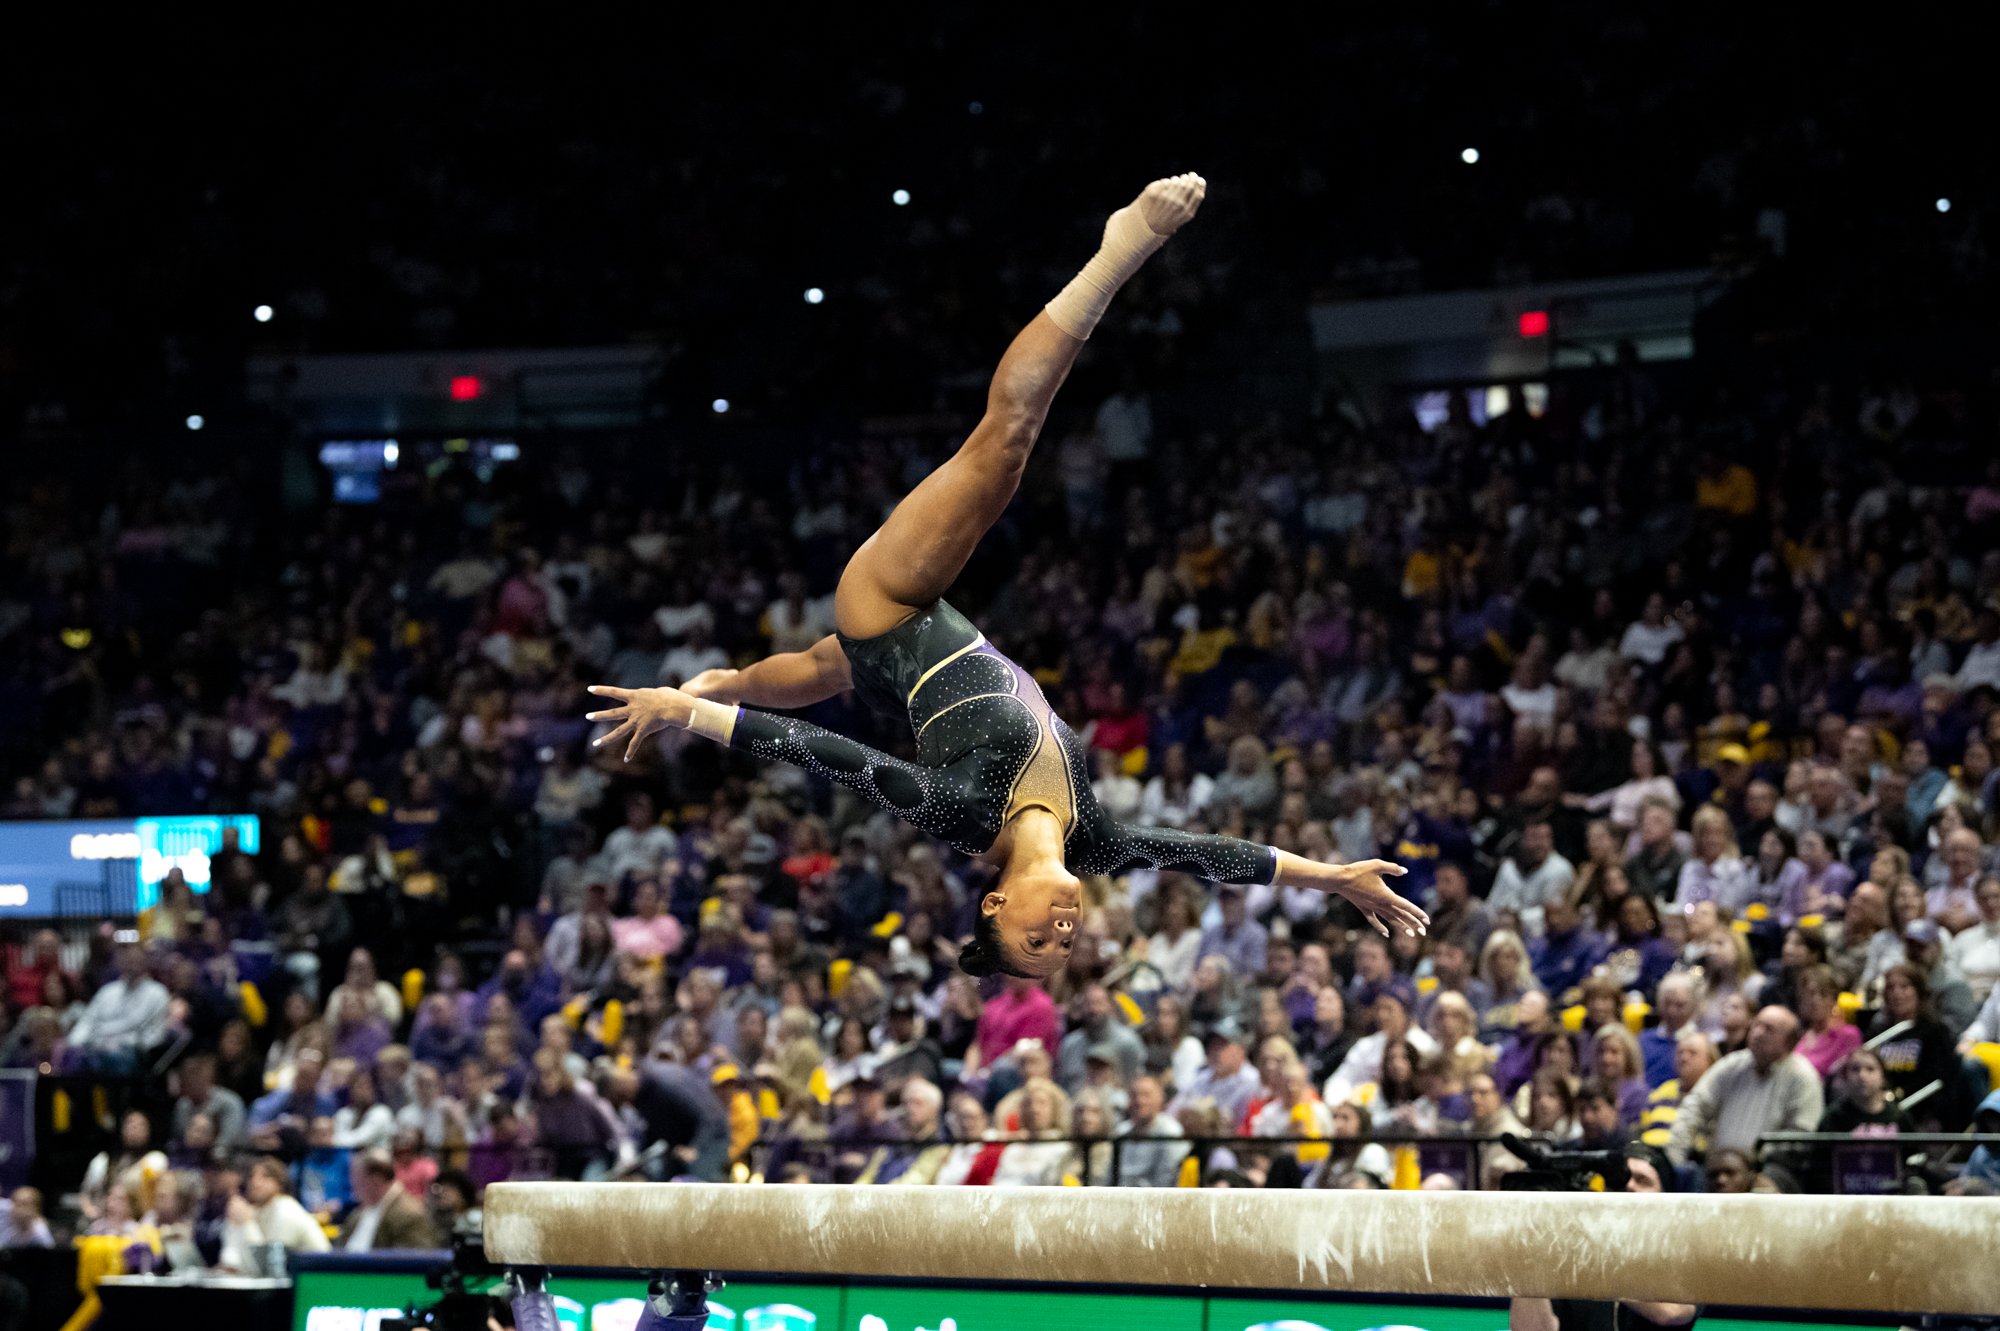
(1168, 205)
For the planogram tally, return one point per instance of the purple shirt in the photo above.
(1837, 881)
(1721, 883)
(1244, 946)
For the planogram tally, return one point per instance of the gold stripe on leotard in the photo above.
(1044, 779)
(978, 641)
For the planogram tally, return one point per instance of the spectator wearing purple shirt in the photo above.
(1715, 872)
(1567, 952)
(1777, 877)
(1823, 889)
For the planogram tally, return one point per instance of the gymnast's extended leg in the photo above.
(920, 550)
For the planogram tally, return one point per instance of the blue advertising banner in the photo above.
(38, 859)
(108, 866)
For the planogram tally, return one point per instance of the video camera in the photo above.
(1551, 1170)
(458, 1307)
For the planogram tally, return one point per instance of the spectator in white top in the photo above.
(641, 845)
(1976, 951)
(1648, 638)
(1363, 1063)
(126, 1019)
(684, 614)
(265, 1213)
(1529, 692)
(694, 655)
(1176, 795)
(1118, 794)
(796, 621)
(1762, 1087)
(1124, 424)
(1952, 903)
(1177, 946)
(364, 1123)
(1535, 876)
(378, 998)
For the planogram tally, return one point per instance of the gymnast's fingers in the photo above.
(1387, 868)
(614, 714)
(1380, 927)
(641, 729)
(611, 691)
(614, 735)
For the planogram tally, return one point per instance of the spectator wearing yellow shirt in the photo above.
(1725, 486)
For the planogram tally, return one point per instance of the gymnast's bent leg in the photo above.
(921, 549)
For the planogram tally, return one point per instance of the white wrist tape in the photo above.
(1128, 242)
(713, 720)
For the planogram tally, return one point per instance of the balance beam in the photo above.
(1885, 1254)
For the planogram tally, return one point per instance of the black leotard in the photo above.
(988, 745)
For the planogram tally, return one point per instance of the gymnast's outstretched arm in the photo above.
(931, 798)
(1102, 846)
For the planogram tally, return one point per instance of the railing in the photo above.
(1454, 1156)
(1867, 1166)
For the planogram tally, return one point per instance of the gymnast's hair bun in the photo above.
(983, 956)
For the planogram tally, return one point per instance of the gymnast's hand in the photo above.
(718, 683)
(1361, 883)
(641, 712)
(1170, 204)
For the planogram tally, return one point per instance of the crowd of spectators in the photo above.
(1678, 708)
(1676, 695)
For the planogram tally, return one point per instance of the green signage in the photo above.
(356, 1301)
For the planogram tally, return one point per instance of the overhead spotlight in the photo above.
(262, 314)
(814, 295)
(976, 108)
(1469, 156)
(900, 197)
(721, 405)
(1944, 205)
(195, 422)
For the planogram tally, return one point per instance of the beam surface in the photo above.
(1888, 1254)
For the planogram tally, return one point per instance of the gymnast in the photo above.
(998, 774)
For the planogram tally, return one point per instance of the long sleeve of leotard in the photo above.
(1114, 848)
(930, 798)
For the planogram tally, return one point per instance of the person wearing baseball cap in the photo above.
(1951, 995)
(1228, 1081)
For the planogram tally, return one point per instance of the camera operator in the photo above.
(1648, 1171)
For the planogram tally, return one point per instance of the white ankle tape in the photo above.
(713, 720)
(1128, 242)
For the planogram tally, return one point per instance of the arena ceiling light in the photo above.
(1470, 156)
(262, 314)
(814, 295)
(1944, 205)
(720, 405)
(900, 197)
(976, 108)
(195, 422)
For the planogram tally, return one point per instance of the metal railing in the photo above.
(1452, 1155)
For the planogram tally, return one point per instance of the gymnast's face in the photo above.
(1038, 912)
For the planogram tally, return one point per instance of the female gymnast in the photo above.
(998, 773)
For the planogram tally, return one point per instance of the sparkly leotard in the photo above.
(988, 746)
